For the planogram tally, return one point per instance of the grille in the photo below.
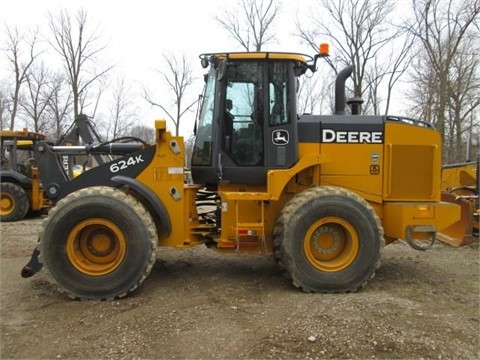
(410, 172)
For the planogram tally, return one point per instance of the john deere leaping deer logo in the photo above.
(280, 137)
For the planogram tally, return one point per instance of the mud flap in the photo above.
(33, 266)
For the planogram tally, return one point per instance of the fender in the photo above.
(58, 185)
(149, 196)
(16, 177)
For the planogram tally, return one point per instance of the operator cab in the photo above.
(248, 119)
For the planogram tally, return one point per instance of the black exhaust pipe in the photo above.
(340, 90)
(355, 105)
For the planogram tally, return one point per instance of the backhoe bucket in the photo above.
(463, 231)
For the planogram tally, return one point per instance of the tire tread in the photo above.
(137, 208)
(285, 259)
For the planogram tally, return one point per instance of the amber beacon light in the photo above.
(323, 49)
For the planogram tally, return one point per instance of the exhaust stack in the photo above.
(340, 90)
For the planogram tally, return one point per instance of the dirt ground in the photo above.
(197, 304)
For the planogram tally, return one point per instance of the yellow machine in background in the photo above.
(322, 193)
(21, 191)
(21, 188)
(460, 186)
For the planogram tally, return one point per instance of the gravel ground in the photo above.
(197, 304)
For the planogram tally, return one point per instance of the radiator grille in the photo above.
(410, 172)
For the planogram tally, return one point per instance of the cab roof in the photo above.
(259, 55)
(21, 135)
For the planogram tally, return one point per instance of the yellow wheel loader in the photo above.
(323, 194)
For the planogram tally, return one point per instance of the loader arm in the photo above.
(58, 184)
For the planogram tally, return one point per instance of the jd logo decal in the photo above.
(280, 137)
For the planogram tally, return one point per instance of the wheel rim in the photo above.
(331, 244)
(96, 246)
(7, 204)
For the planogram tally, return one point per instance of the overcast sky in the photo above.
(138, 32)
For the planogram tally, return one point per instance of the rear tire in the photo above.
(14, 202)
(98, 243)
(328, 239)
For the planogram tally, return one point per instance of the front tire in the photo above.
(14, 202)
(328, 239)
(98, 243)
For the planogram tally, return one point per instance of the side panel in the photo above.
(352, 149)
(165, 176)
(355, 167)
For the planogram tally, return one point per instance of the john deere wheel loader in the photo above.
(324, 194)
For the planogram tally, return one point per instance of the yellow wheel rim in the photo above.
(331, 244)
(7, 204)
(96, 246)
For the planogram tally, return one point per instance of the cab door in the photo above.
(259, 121)
(247, 123)
(281, 139)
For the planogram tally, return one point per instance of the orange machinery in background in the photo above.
(460, 185)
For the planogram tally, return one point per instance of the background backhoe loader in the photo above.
(20, 189)
(322, 193)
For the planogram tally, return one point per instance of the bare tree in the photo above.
(4, 106)
(314, 94)
(374, 76)
(399, 64)
(143, 132)
(122, 115)
(360, 31)
(20, 64)
(420, 94)
(178, 80)
(448, 68)
(59, 106)
(38, 94)
(251, 23)
(79, 50)
(464, 99)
